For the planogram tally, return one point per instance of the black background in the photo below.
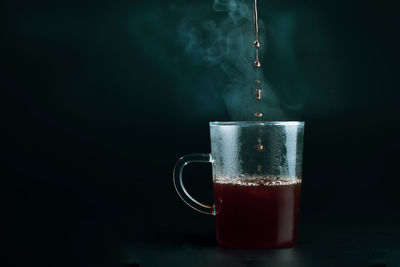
(99, 101)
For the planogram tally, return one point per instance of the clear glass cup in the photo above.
(257, 172)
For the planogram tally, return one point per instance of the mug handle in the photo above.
(180, 188)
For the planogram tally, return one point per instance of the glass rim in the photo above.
(254, 123)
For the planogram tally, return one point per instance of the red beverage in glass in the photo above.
(257, 216)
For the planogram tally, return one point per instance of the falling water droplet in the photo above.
(258, 94)
(257, 81)
(258, 114)
(257, 64)
(260, 147)
(257, 44)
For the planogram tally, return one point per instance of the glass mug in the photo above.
(257, 171)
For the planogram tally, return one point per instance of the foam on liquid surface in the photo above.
(257, 181)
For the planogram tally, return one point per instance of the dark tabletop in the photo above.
(67, 228)
(332, 233)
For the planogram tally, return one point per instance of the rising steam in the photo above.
(227, 45)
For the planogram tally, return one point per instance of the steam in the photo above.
(226, 44)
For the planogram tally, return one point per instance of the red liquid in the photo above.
(261, 216)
